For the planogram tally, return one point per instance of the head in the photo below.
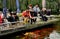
(36, 5)
(43, 9)
(27, 10)
(30, 5)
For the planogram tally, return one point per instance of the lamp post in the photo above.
(4, 8)
(43, 3)
(17, 5)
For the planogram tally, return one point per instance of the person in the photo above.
(11, 18)
(16, 17)
(36, 10)
(30, 7)
(44, 11)
(26, 16)
(1, 17)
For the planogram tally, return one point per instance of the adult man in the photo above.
(36, 10)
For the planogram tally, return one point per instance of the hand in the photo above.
(32, 18)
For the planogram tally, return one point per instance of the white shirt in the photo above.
(36, 9)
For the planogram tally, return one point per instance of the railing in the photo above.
(17, 24)
(11, 25)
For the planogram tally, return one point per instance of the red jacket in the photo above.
(26, 14)
(1, 19)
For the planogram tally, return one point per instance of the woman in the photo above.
(26, 16)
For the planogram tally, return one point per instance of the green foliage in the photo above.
(50, 4)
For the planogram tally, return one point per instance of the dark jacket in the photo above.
(16, 18)
(10, 19)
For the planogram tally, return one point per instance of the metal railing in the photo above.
(18, 24)
(11, 25)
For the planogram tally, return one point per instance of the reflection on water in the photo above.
(54, 35)
(39, 34)
(44, 33)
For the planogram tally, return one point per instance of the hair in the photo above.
(30, 4)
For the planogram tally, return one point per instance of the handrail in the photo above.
(10, 22)
(10, 26)
(33, 17)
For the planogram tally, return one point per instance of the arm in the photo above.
(30, 15)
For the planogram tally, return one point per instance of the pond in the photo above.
(52, 32)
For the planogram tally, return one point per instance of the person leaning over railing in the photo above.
(36, 10)
(30, 7)
(11, 18)
(26, 16)
(16, 17)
